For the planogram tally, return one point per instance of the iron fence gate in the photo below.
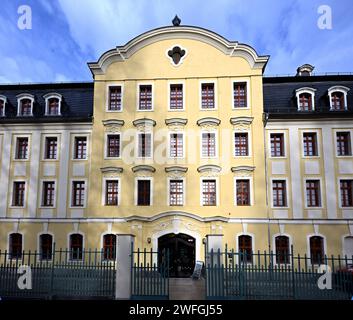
(59, 274)
(244, 275)
(150, 274)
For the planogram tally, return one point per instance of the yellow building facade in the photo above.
(178, 147)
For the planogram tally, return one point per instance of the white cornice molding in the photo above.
(176, 122)
(208, 121)
(25, 95)
(209, 168)
(4, 98)
(335, 88)
(242, 168)
(305, 89)
(176, 169)
(241, 120)
(231, 48)
(112, 170)
(52, 95)
(113, 122)
(145, 122)
(144, 168)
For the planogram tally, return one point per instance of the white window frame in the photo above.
(308, 246)
(12, 194)
(138, 96)
(250, 190)
(308, 90)
(248, 95)
(137, 145)
(20, 97)
(217, 191)
(41, 206)
(339, 191)
(85, 193)
(49, 96)
(318, 143)
(284, 144)
(215, 132)
(201, 82)
(136, 190)
(15, 137)
(249, 143)
(287, 193)
(169, 144)
(320, 194)
(78, 135)
(114, 84)
(104, 190)
(350, 131)
(168, 190)
(275, 249)
(106, 157)
(4, 99)
(344, 252)
(48, 135)
(170, 83)
(341, 89)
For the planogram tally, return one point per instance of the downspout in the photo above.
(265, 120)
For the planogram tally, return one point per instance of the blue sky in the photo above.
(66, 34)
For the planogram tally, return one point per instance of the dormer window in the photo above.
(305, 99)
(338, 98)
(2, 105)
(53, 104)
(25, 105)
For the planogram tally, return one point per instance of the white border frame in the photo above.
(181, 59)
(344, 252)
(8, 243)
(4, 99)
(38, 244)
(44, 144)
(136, 190)
(20, 97)
(168, 191)
(309, 90)
(138, 133)
(249, 143)
(248, 90)
(205, 81)
(15, 136)
(318, 143)
(40, 198)
(11, 194)
(274, 236)
(339, 178)
(144, 83)
(107, 96)
(341, 89)
(322, 204)
(287, 193)
(350, 131)
(252, 245)
(69, 248)
(104, 187)
(72, 180)
(215, 132)
(73, 136)
(308, 246)
(171, 82)
(49, 96)
(169, 146)
(235, 179)
(106, 134)
(285, 140)
(217, 191)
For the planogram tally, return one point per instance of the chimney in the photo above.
(305, 70)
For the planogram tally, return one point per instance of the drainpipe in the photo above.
(265, 120)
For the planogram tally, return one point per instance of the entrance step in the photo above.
(186, 289)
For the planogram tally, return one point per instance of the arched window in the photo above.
(282, 249)
(53, 106)
(25, 107)
(245, 248)
(109, 246)
(338, 98)
(348, 248)
(45, 246)
(2, 105)
(317, 252)
(15, 246)
(76, 246)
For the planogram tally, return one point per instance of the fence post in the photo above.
(125, 244)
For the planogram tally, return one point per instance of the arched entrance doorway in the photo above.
(181, 253)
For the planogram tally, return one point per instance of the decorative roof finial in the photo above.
(176, 21)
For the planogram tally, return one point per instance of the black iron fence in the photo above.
(58, 274)
(249, 275)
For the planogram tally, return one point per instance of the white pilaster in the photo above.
(5, 170)
(63, 174)
(34, 171)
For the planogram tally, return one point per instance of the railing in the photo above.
(57, 274)
(150, 274)
(249, 275)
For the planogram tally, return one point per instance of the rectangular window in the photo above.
(346, 193)
(209, 196)
(337, 101)
(18, 197)
(145, 97)
(143, 192)
(305, 102)
(176, 189)
(111, 192)
(279, 193)
(176, 97)
(80, 151)
(78, 194)
(25, 107)
(313, 193)
(51, 147)
(114, 98)
(277, 144)
(208, 144)
(310, 144)
(207, 96)
(48, 194)
(239, 94)
(243, 192)
(22, 148)
(144, 145)
(53, 107)
(113, 146)
(241, 144)
(176, 145)
(343, 143)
